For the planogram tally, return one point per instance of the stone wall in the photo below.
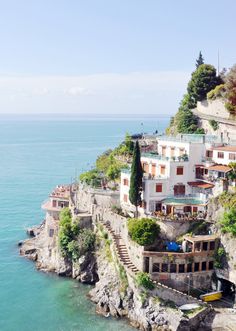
(213, 108)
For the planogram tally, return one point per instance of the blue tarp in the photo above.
(172, 246)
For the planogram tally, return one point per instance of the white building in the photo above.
(174, 179)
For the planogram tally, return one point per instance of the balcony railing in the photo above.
(183, 158)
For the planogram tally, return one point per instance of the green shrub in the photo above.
(219, 258)
(217, 92)
(143, 279)
(73, 241)
(91, 177)
(214, 124)
(228, 221)
(143, 231)
(227, 200)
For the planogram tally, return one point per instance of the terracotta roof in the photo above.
(219, 167)
(201, 184)
(61, 191)
(225, 148)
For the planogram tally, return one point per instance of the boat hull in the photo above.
(213, 296)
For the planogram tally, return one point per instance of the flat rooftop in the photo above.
(189, 138)
(211, 237)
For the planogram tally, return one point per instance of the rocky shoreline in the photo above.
(112, 294)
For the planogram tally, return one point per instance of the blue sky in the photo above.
(103, 56)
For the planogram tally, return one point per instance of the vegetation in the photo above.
(232, 174)
(74, 242)
(203, 80)
(200, 60)
(217, 92)
(220, 257)
(108, 164)
(143, 231)
(214, 124)
(230, 86)
(143, 279)
(227, 200)
(228, 221)
(136, 178)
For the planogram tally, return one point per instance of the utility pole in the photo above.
(218, 62)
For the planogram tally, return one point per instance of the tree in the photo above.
(200, 60)
(136, 178)
(230, 85)
(203, 80)
(143, 231)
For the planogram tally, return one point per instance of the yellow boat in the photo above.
(212, 296)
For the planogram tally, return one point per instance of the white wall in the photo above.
(225, 160)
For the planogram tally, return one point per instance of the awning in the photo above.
(201, 184)
(182, 202)
(220, 168)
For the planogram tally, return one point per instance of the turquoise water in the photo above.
(36, 155)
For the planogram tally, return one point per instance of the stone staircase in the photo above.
(124, 259)
(121, 250)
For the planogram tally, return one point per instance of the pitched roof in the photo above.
(227, 148)
(219, 167)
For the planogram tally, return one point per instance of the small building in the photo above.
(181, 270)
(58, 199)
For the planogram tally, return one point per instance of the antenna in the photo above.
(218, 61)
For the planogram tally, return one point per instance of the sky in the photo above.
(108, 56)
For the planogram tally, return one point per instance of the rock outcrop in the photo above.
(45, 252)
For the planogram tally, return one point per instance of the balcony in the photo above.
(154, 177)
(183, 158)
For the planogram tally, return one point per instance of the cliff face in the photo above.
(228, 272)
(45, 252)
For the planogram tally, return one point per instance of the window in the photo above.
(211, 265)
(153, 170)
(158, 188)
(181, 151)
(205, 246)
(196, 266)
(220, 155)
(126, 182)
(232, 156)
(189, 267)
(212, 245)
(209, 153)
(156, 267)
(51, 232)
(195, 209)
(173, 267)
(162, 169)
(203, 266)
(180, 171)
(145, 167)
(163, 149)
(181, 268)
(54, 203)
(172, 151)
(164, 267)
(125, 198)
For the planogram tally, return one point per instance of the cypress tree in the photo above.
(200, 60)
(136, 179)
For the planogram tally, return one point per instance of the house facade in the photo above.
(181, 176)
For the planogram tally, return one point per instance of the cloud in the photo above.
(78, 91)
(135, 92)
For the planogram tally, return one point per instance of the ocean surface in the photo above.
(35, 155)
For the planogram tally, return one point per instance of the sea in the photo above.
(36, 154)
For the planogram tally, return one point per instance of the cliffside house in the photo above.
(181, 176)
(194, 266)
(58, 199)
